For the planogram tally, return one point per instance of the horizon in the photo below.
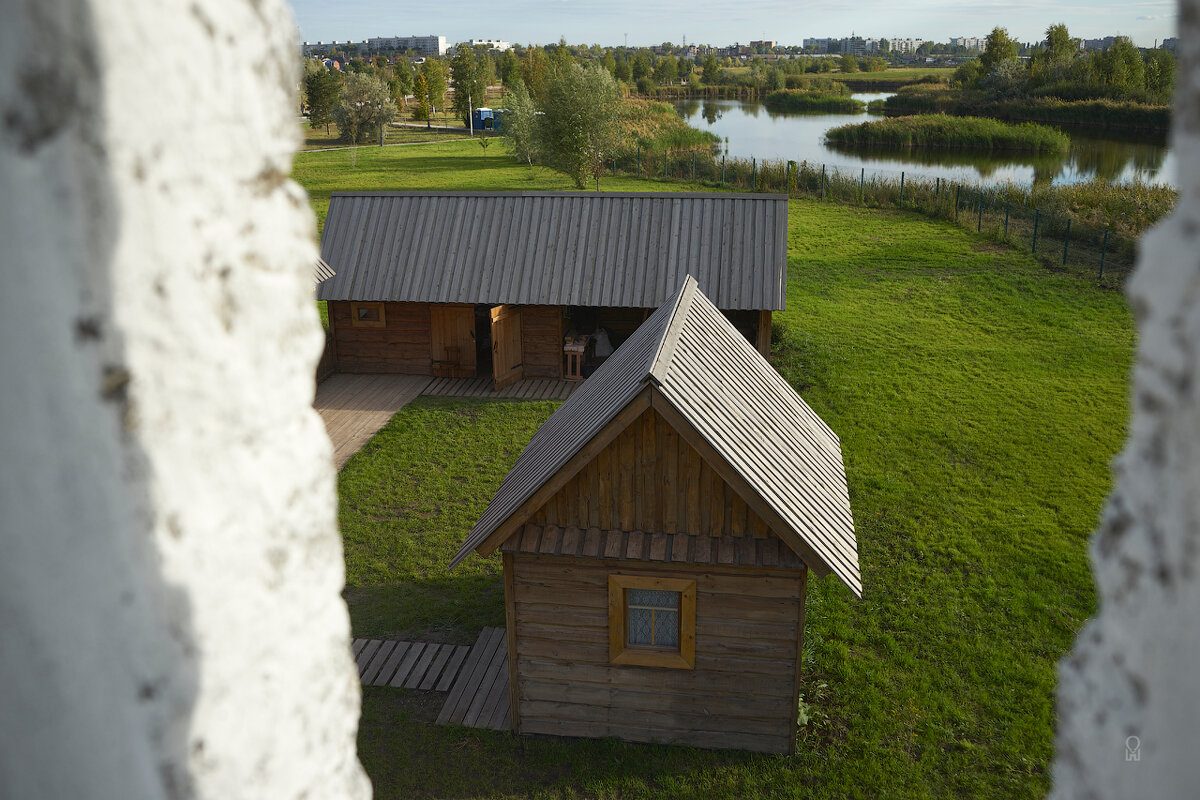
(585, 22)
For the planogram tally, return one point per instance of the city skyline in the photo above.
(708, 22)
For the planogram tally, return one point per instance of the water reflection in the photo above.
(747, 132)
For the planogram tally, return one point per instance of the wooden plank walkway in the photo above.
(528, 389)
(409, 665)
(355, 407)
(475, 677)
(479, 698)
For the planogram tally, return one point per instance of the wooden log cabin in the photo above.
(658, 533)
(466, 284)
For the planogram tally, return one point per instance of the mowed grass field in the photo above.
(979, 399)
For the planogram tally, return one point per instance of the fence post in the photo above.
(902, 189)
(1066, 241)
(937, 191)
(1007, 206)
(693, 165)
(722, 169)
(787, 180)
(1037, 217)
(957, 189)
(862, 177)
(822, 181)
(639, 161)
(753, 175)
(1103, 250)
(979, 225)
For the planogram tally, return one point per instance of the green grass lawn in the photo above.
(979, 399)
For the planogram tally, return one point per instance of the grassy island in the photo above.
(958, 133)
(801, 100)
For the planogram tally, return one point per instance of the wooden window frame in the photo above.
(373, 323)
(620, 652)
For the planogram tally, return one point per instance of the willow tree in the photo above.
(579, 128)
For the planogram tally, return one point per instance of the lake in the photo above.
(749, 130)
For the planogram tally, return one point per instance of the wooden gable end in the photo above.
(651, 479)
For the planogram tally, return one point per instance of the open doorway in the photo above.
(483, 341)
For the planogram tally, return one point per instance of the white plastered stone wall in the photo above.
(170, 566)
(1129, 694)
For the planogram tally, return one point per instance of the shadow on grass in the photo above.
(408, 758)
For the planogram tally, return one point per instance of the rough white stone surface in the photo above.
(169, 561)
(1135, 668)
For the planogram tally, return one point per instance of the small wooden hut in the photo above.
(465, 284)
(657, 536)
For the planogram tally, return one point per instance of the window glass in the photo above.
(653, 619)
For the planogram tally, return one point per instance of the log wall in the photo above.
(741, 693)
(402, 345)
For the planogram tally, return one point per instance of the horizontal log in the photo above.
(690, 682)
(666, 720)
(709, 704)
(705, 739)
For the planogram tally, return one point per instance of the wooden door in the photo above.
(452, 340)
(507, 360)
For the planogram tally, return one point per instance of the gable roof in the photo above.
(704, 375)
(556, 248)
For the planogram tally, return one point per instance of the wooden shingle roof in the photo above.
(628, 250)
(705, 379)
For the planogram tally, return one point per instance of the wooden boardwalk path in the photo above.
(355, 407)
(475, 677)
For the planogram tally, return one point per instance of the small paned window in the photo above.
(367, 315)
(652, 621)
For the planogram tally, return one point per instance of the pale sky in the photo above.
(723, 22)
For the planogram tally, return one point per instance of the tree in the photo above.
(966, 76)
(579, 129)
(510, 69)
(364, 108)
(711, 70)
(666, 70)
(520, 123)
(849, 63)
(1160, 75)
(1120, 68)
(401, 82)
(623, 72)
(1000, 47)
(421, 94)
(609, 63)
(884, 45)
(1005, 81)
(641, 65)
(470, 86)
(534, 67)
(435, 82)
(323, 89)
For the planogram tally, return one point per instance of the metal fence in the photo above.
(1056, 240)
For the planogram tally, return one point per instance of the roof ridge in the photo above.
(666, 346)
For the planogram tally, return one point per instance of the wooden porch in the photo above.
(475, 678)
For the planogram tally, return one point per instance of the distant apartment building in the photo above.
(424, 45)
(858, 46)
(820, 45)
(495, 44)
(1169, 44)
(969, 42)
(904, 45)
(764, 44)
(1102, 44)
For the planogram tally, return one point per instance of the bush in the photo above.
(800, 101)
